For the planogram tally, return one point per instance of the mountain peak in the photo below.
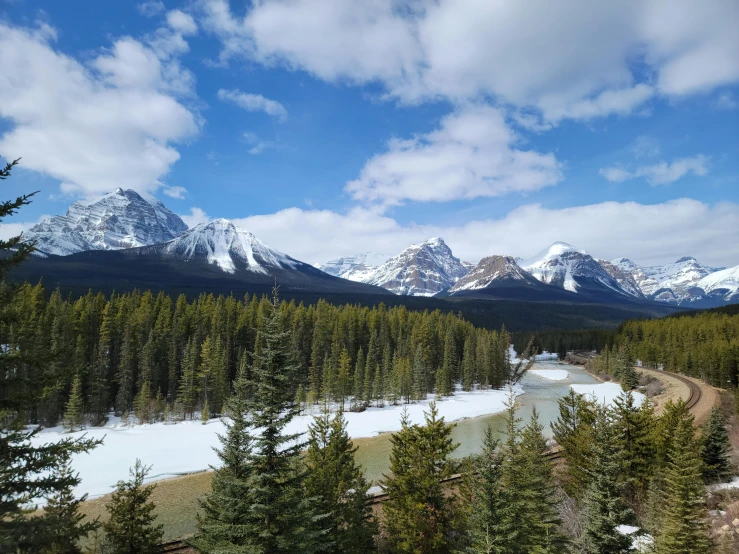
(686, 259)
(120, 219)
(223, 243)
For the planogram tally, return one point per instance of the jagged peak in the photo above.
(686, 259)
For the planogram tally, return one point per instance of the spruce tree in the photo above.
(419, 516)
(488, 503)
(604, 508)
(225, 522)
(62, 513)
(715, 449)
(28, 472)
(74, 417)
(131, 527)
(682, 526)
(573, 431)
(635, 432)
(337, 486)
(273, 513)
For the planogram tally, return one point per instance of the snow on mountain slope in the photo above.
(120, 219)
(722, 284)
(420, 270)
(222, 243)
(355, 268)
(678, 282)
(570, 268)
(491, 268)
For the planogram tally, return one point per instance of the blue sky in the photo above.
(335, 127)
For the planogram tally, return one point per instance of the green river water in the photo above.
(374, 453)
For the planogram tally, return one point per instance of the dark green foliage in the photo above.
(62, 514)
(74, 417)
(634, 430)
(273, 514)
(682, 524)
(488, 502)
(29, 472)
(530, 521)
(574, 433)
(131, 527)
(604, 507)
(715, 449)
(418, 516)
(337, 486)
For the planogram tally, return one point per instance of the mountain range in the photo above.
(124, 238)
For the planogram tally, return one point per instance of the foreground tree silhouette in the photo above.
(258, 503)
(28, 472)
(131, 528)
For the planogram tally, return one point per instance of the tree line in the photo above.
(156, 357)
(703, 345)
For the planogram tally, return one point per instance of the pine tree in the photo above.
(74, 417)
(468, 365)
(419, 516)
(131, 527)
(273, 514)
(488, 503)
(337, 485)
(573, 431)
(225, 521)
(358, 380)
(142, 407)
(62, 513)
(419, 375)
(28, 472)
(634, 430)
(604, 508)
(715, 449)
(683, 523)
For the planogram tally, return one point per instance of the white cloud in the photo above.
(472, 154)
(257, 144)
(253, 103)
(9, 230)
(182, 22)
(661, 173)
(113, 122)
(195, 217)
(150, 8)
(571, 59)
(726, 101)
(175, 192)
(648, 234)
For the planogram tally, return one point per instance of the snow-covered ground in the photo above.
(605, 393)
(551, 374)
(186, 447)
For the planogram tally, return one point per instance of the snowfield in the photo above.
(606, 393)
(187, 447)
(551, 374)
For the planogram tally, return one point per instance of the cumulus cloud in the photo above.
(472, 154)
(253, 103)
(182, 22)
(568, 60)
(195, 217)
(648, 234)
(257, 145)
(111, 122)
(662, 173)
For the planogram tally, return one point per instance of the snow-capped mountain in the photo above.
(572, 269)
(722, 285)
(490, 269)
(222, 243)
(676, 283)
(421, 270)
(355, 268)
(120, 219)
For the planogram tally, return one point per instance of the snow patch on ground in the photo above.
(733, 484)
(640, 543)
(187, 447)
(551, 374)
(606, 393)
